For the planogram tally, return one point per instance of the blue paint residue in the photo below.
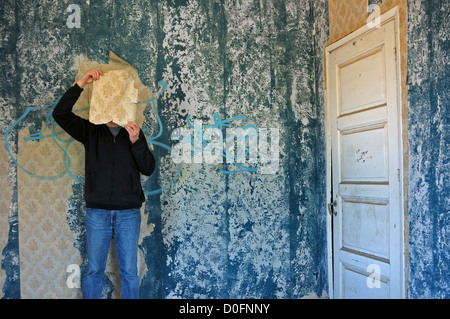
(429, 144)
(224, 231)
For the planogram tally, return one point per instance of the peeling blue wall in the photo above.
(242, 235)
(429, 145)
(9, 95)
(239, 235)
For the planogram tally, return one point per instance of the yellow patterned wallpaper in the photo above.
(46, 242)
(113, 67)
(345, 16)
(5, 202)
(113, 99)
(349, 15)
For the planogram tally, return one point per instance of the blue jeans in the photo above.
(100, 225)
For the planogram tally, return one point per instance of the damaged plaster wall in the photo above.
(211, 235)
(219, 231)
(429, 144)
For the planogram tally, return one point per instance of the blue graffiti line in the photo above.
(64, 143)
(219, 124)
(37, 136)
(59, 140)
(153, 140)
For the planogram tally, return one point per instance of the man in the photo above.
(114, 159)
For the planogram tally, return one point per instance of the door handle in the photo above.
(332, 208)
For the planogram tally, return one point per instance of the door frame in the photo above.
(392, 14)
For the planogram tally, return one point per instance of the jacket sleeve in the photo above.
(74, 125)
(143, 156)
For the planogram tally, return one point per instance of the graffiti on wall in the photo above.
(234, 217)
(202, 143)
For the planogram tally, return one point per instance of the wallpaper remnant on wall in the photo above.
(113, 99)
(346, 16)
(5, 207)
(120, 83)
(44, 236)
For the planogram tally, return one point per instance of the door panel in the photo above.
(364, 227)
(365, 148)
(357, 288)
(362, 82)
(363, 155)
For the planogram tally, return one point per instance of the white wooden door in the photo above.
(366, 164)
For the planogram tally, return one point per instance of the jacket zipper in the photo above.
(113, 169)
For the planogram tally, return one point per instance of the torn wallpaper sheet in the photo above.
(114, 98)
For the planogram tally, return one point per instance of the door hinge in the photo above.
(332, 208)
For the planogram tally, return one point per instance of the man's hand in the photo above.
(133, 130)
(89, 77)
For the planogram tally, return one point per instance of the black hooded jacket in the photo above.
(112, 164)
